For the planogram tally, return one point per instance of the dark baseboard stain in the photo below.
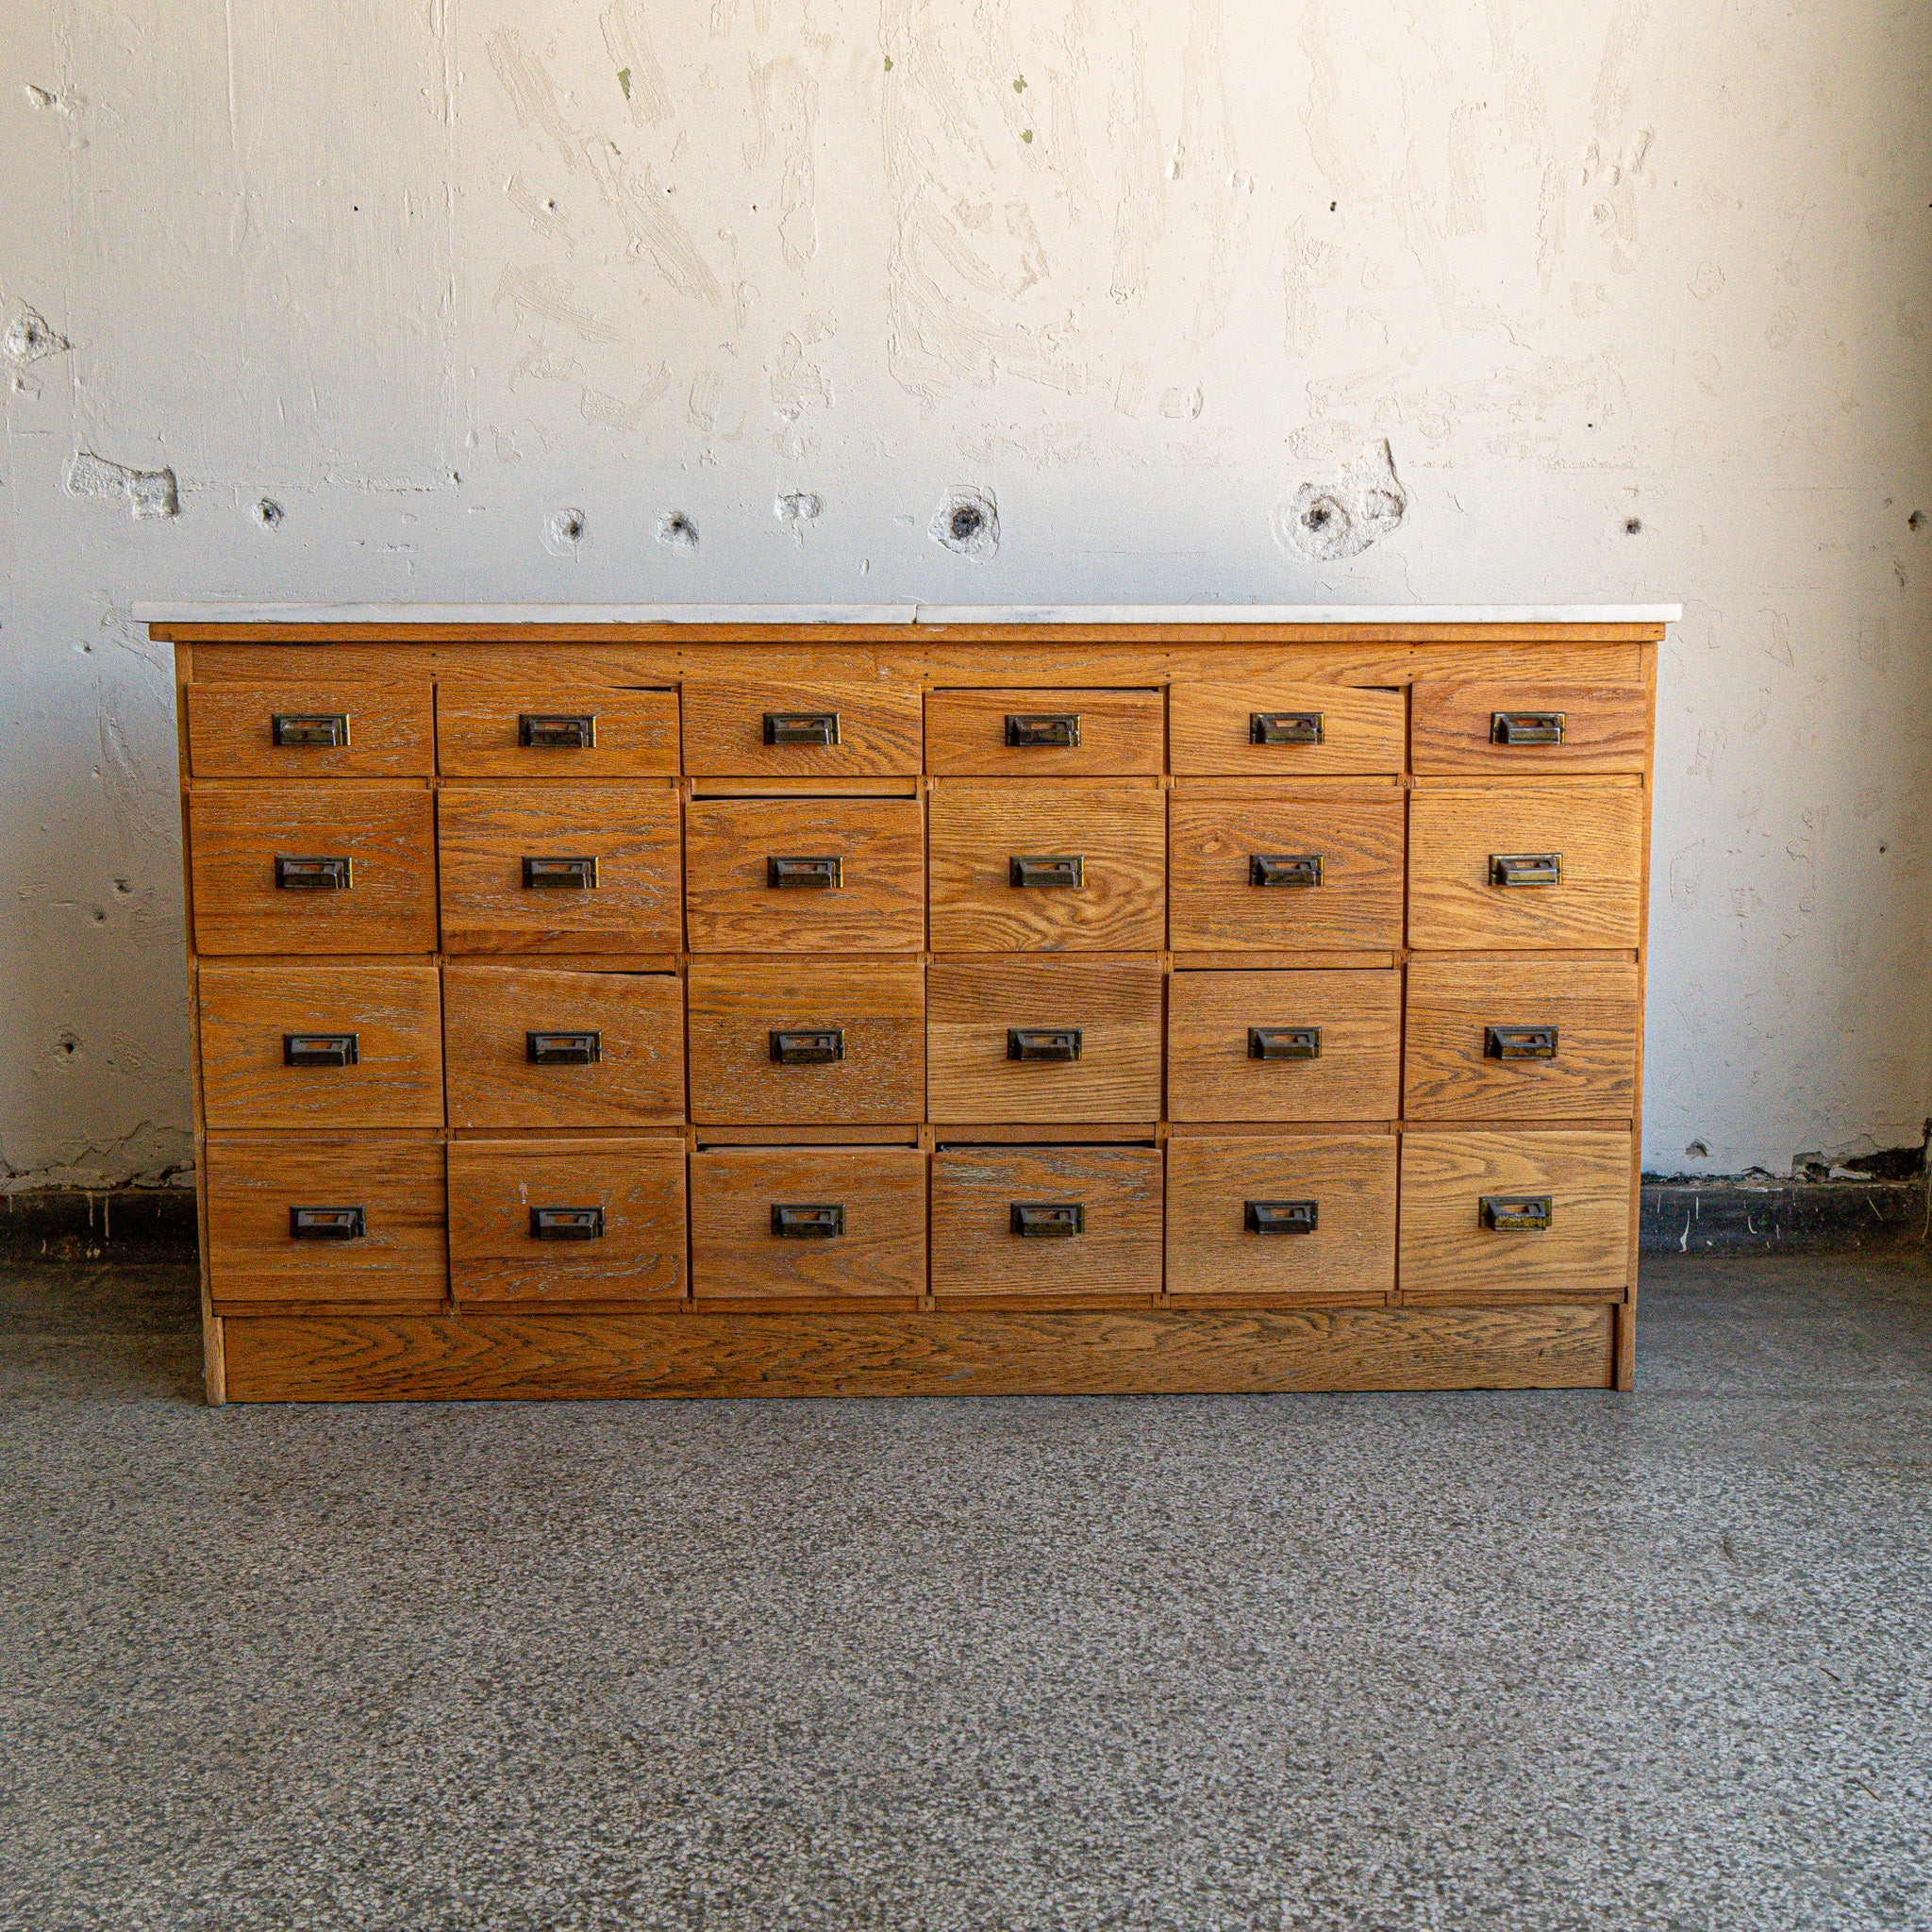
(99, 1224)
(1733, 1217)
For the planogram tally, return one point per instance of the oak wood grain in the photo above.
(879, 722)
(1120, 731)
(1605, 726)
(1209, 723)
(231, 729)
(479, 731)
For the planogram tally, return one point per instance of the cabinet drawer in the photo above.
(566, 1220)
(805, 875)
(486, 731)
(1511, 1037)
(1307, 1217)
(1281, 730)
(755, 728)
(313, 869)
(1043, 1040)
(773, 1223)
(535, 1048)
(1528, 728)
(1576, 872)
(1462, 1189)
(559, 868)
(1031, 734)
(369, 1216)
(319, 1045)
(1256, 874)
(323, 730)
(819, 1041)
(1112, 1193)
(1289, 1045)
(1022, 868)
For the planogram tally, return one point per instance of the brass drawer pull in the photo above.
(1285, 868)
(327, 1225)
(1059, 868)
(566, 1224)
(801, 728)
(809, 1047)
(807, 875)
(560, 874)
(1526, 727)
(1285, 727)
(313, 875)
(1042, 1043)
(1045, 730)
(1048, 1221)
(1280, 1217)
(802, 1222)
(1284, 1042)
(1519, 1042)
(557, 730)
(1525, 868)
(563, 1049)
(322, 731)
(320, 1050)
(1517, 1214)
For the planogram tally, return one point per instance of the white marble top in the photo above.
(907, 614)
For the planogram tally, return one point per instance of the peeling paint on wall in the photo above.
(1329, 522)
(146, 492)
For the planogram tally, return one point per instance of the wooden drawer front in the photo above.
(1503, 1039)
(1449, 1252)
(1526, 728)
(1284, 1046)
(486, 731)
(876, 1245)
(391, 1190)
(310, 730)
(1309, 1217)
(534, 1048)
(980, 833)
(818, 1042)
(1000, 1033)
(977, 1192)
(494, 838)
(1025, 734)
(298, 1045)
(1458, 833)
(1218, 842)
(877, 905)
(751, 728)
(1283, 730)
(566, 1220)
(375, 842)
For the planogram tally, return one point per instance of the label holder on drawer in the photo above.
(1517, 1214)
(566, 1224)
(1280, 1217)
(321, 1049)
(328, 1224)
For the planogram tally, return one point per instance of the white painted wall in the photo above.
(424, 276)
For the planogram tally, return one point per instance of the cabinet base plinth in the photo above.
(925, 1352)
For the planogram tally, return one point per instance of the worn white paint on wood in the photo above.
(629, 304)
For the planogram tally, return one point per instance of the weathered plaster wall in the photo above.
(619, 301)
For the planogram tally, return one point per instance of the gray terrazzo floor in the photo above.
(1377, 1661)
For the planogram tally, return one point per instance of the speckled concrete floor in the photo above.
(1363, 1661)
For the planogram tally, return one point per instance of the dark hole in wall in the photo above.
(967, 521)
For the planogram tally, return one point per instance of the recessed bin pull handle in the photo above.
(560, 874)
(805, 874)
(801, 728)
(1280, 1217)
(1037, 1221)
(299, 875)
(1043, 730)
(1525, 868)
(1519, 1042)
(1285, 868)
(816, 1046)
(583, 1049)
(557, 730)
(1526, 727)
(1284, 1042)
(327, 1225)
(320, 1050)
(322, 731)
(566, 1224)
(1285, 727)
(800, 1221)
(1517, 1214)
(1047, 869)
(1042, 1043)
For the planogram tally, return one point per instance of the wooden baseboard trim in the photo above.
(938, 1352)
